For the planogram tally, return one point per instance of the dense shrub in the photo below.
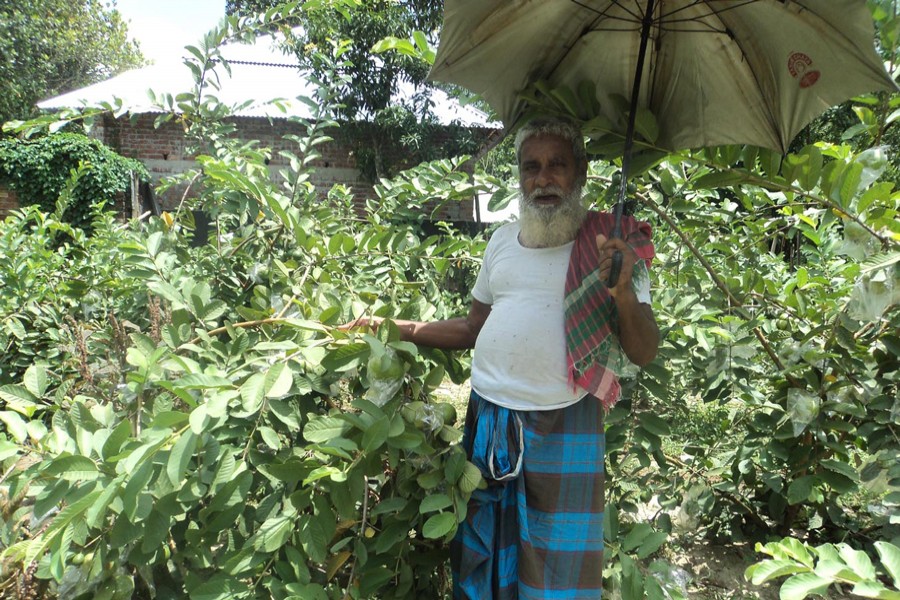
(186, 420)
(38, 169)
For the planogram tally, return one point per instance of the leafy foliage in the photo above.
(186, 420)
(205, 430)
(816, 570)
(38, 171)
(50, 47)
(384, 121)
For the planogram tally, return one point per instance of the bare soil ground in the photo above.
(718, 572)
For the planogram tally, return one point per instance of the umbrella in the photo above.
(713, 72)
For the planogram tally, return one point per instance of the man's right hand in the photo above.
(372, 323)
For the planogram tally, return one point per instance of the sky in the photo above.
(164, 27)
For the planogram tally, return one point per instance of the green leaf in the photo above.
(323, 429)
(273, 534)
(434, 502)
(654, 424)
(800, 586)
(200, 381)
(840, 467)
(873, 589)
(253, 390)
(212, 311)
(315, 531)
(439, 525)
(850, 183)
(636, 536)
(376, 434)
(66, 516)
(344, 358)
(435, 378)
(180, 456)
(329, 472)
(97, 512)
(470, 478)
(19, 399)
(652, 543)
(169, 419)
(117, 438)
(270, 437)
(8, 449)
(35, 380)
(645, 124)
(838, 482)
(858, 561)
(767, 570)
(15, 425)
(834, 570)
(219, 587)
(291, 471)
(719, 180)
(800, 488)
(890, 558)
(286, 412)
(278, 381)
(72, 468)
(199, 419)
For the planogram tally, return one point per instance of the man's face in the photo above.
(550, 209)
(548, 171)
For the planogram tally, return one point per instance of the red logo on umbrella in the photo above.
(800, 66)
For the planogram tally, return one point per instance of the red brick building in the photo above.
(257, 72)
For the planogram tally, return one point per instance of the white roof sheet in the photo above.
(259, 72)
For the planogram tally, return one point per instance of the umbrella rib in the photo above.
(664, 21)
(605, 12)
(712, 11)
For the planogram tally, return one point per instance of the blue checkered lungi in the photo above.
(535, 534)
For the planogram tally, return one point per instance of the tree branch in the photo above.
(719, 284)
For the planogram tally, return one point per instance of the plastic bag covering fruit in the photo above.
(385, 375)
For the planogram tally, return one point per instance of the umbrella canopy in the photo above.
(716, 71)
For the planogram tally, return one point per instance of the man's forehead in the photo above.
(547, 143)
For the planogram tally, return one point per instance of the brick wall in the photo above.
(163, 152)
(8, 201)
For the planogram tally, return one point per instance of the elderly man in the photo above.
(549, 337)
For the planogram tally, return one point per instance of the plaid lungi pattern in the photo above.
(538, 535)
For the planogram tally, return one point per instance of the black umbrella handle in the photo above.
(615, 269)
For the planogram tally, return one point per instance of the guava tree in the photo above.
(197, 425)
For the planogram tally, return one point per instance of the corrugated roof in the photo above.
(259, 72)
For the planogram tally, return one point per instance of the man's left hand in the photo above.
(607, 247)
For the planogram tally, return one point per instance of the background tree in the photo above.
(373, 81)
(385, 122)
(184, 420)
(49, 47)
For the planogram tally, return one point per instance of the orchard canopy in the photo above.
(183, 418)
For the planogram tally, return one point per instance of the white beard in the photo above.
(550, 226)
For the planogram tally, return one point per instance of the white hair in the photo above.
(557, 126)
